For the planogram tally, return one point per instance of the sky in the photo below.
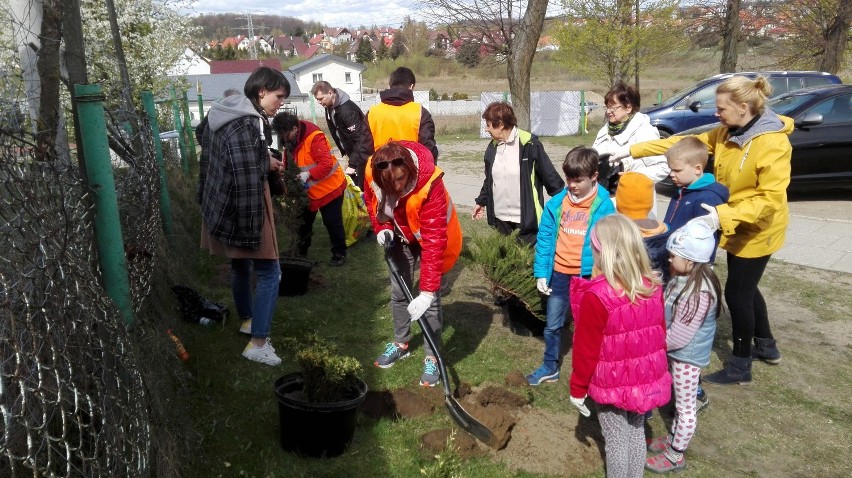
(337, 13)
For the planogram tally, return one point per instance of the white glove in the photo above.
(383, 236)
(580, 403)
(619, 155)
(304, 176)
(712, 219)
(350, 171)
(420, 304)
(541, 284)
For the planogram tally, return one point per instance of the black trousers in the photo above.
(749, 317)
(507, 227)
(332, 218)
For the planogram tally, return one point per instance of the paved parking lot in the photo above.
(820, 232)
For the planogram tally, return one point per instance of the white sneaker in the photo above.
(265, 355)
(245, 327)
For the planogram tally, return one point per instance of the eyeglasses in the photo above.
(613, 109)
(397, 162)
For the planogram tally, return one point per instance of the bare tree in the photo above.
(506, 29)
(836, 39)
(730, 37)
(608, 41)
(817, 33)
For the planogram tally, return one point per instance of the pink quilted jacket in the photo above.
(632, 371)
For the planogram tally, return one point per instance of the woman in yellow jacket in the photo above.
(752, 152)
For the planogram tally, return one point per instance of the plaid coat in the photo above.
(234, 166)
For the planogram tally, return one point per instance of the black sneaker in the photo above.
(337, 260)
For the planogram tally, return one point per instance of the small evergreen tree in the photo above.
(384, 52)
(364, 54)
(468, 54)
(398, 46)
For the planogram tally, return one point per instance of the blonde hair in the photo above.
(745, 90)
(690, 150)
(622, 257)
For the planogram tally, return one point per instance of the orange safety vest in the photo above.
(389, 122)
(412, 214)
(318, 188)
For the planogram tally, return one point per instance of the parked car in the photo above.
(696, 106)
(821, 140)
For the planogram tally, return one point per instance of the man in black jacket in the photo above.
(347, 126)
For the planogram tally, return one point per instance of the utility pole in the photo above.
(252, 40)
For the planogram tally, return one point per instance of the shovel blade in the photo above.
(469, 424)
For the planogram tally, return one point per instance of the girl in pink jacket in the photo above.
(619, 353)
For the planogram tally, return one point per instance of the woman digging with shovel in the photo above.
(412, 211)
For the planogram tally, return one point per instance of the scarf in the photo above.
(615, 129)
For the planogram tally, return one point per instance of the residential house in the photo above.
(213, 86)
(439, 40)
(190, 63)
(290, 46)
(340, 72)
(262, 44)
(336, 36)
(242, 66)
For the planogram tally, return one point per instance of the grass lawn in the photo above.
(794, 420)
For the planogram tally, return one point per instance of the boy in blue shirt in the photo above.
(687, 159)
(563, 248)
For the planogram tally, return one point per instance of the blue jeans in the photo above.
(557, 309)
(268, 273)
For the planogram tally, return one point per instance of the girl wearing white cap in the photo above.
(692, 305)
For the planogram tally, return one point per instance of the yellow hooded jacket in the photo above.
(755, 167)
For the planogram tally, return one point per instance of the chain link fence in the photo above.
(81, 393)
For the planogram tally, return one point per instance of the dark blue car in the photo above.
(821, 140)
(696, 105)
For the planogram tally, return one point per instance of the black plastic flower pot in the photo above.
(295, 276)
(315, 429)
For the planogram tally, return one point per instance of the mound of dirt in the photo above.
(465, 445)
(525, 438)
(516, 378)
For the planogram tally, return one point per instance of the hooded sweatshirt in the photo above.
(349, 130)
(399, 96)
(233, 170)
(755, 167)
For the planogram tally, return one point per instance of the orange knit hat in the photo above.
(634, 196)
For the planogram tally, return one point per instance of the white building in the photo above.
(190, 63)
(340, 72)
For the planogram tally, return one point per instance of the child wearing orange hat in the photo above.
(634, 198)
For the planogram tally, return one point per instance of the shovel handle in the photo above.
(457, 412)
(428, 333)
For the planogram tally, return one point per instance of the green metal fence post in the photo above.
(659, 97)
(583, 112)
(190, 133)
(505, 97)
(179, 128)
(165, 202)
(200, 100)
(99, 172)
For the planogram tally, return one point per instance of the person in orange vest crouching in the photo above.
(323, 178)
(411, 209)
(398, 117)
